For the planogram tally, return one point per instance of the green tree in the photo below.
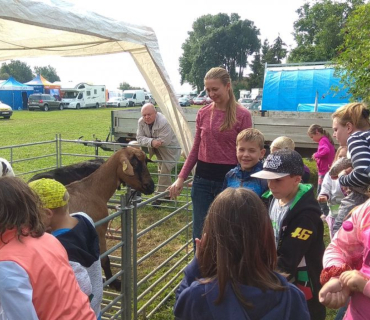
(274, 53)
(49, 73)
(353, 62)
(219, 40)
(318, 29)
(255, 79)
(127, 86)
(19, 70)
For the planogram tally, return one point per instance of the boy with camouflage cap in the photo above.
(298, 228)
(77, 234)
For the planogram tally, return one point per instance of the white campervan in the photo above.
(134, 97)
(83, 95)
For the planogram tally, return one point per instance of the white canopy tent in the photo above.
(37, 28)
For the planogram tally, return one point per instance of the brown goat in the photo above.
(91, 194)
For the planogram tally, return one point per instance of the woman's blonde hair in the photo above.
(224, 77)
(314, 128)
(356, 113)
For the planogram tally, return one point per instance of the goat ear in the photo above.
(127, 168)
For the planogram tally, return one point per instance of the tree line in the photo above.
(324, 31)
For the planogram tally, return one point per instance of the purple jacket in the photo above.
(324, 156)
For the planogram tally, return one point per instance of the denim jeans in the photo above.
(203, 193)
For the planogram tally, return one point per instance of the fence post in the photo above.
(126, 258)
(134, 254)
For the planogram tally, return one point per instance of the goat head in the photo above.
(134, 171)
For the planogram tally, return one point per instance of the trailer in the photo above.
(272, 124)
(84, 95)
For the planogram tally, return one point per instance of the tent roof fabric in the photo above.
(36, 28)
(39, 80)
(12, 84)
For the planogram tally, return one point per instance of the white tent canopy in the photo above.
(36, 28)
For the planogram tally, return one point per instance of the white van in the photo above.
(134, 97)
(83, 95)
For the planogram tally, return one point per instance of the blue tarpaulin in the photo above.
(284, 90)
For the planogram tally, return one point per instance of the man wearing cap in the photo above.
(295, 216)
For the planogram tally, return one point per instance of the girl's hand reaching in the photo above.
(198, 243)
(354, 280)
(333, 295)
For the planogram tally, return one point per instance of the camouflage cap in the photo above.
(280, 164)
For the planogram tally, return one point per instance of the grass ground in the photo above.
(29, 127)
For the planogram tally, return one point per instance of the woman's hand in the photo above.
(175, 188)
(333, 295)
(354, 280)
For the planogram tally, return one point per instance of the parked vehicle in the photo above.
(255, 105)
(46, 102)
(83, 95)
(5, 110)
(149, 99)
(244, 94)
(246, 102)
(184, 102)
(199, 100)
(208, 100)
(134, 97)
(256, 92)
(117, 102)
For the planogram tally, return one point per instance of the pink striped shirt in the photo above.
(212, 145)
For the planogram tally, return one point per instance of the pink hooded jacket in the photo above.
(324, 156)
(353, 248)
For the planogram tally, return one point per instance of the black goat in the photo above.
(71, 173)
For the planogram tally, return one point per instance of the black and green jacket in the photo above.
(301, 247)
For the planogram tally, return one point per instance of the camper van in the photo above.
(135, 97)
(83, 95)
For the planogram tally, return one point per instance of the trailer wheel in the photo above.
(97, 105)
(119, 106)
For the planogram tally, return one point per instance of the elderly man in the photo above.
(155, 132)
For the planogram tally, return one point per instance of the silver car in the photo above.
(117, 102)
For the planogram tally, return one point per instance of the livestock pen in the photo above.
(148, 246)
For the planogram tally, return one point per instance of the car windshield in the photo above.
(128, 95)
(70, 94)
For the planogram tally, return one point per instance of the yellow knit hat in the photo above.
(50, 192)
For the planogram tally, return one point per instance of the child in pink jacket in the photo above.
(347, 266)
(324, 157)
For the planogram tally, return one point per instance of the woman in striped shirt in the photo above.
(351, 127)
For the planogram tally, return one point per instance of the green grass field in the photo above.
(29, 127)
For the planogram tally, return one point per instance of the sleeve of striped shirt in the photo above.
(359, 149)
